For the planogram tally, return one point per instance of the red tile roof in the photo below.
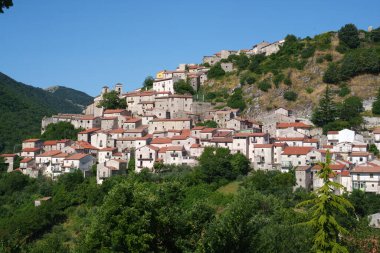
(359, 154)
(293, 124)
(221, 140)
(198, 128)
(31, 140)
(108, 149)
(153, 147)
(85, 145)
(77, 156)
(8, 155)
(26, 160)
(49, 153)
(111, 111)
(31, 149)
(174, 148)
(117, 131)
(50, 143)
(176, 119)
(376, 131)
(333, 132)
(195, 145)
(161, 140)
(133, 120)
(263, 146)
(366, 169)
(91, 130)
(290, 139)
(297, 150)
(208, 130)
(242, 134)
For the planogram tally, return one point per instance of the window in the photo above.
(371, 175)
(299, 162)
(141, 156)
(150, 155)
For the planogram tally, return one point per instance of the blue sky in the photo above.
(87, 44)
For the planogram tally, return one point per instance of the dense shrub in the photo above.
(308, 52)
(349, 36)
(344, 91)
(183, 87)
(332, 74)
(236, 100)
(290, 95)
(264, 85)
(215, 71)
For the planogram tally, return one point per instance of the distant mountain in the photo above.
(74, 97)
(23, 106)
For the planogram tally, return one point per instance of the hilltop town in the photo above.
(161, 125)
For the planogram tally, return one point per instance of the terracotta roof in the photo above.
(161, 140)
(198, 128)
(49, 153)
(77, 156)
(366, 169)
(117, 131)
(176, 119)
(30, 149)
(31, 140)
(91, 130)
(333, 132)
(108, 149)
(221, 140)
(279, 144)
(297, 150)
(110, 111)
(109, 118)
(358, 154)
(50, 143)
(153, 147)
(162, 150)
(8, 155)
(26, 160)
(345, 173)
(195, 145)
(242, 134)
(263, 146)
(376, 131)
(292, 124)
(133, 120)
(290, 139)
(328, 146)
(174, 148)
(208, 130)
(85, 145)
(311, 140)
(61, 155)
(179, 137)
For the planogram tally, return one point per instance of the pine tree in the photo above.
(376, 104)
(325, 207)
(326, 111)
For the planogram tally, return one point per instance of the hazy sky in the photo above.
(86, 44)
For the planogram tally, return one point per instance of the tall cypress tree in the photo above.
(325, 207)
(326, 111)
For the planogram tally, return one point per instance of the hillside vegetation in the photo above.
(23, 106)
(296, 76)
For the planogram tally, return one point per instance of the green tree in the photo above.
(5, 4)
(60, 130)
(326, 111)
(218, 163)
(376, 104)
(183, 87)
(332, 74)
(373, 149)
(242, 62)
(326, 207)
(351, 109)
(236, 100)
(375, 34)
(349, 36)
(215, 71)
(111, 100)
(3, 166)
(208, 123)
(148, 83)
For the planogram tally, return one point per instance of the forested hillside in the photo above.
(23, 106)
(214, 207)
